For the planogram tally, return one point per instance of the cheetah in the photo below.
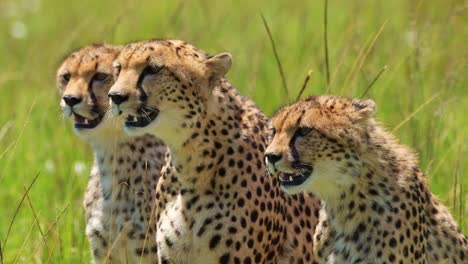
(119, 198)
(216, 201)
(377, 206)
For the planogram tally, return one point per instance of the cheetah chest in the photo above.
(189, 232)
(115, 225)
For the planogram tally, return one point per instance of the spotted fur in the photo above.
(119, 199)
(377, 206)
(217, 204)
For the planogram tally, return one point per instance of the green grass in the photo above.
(423, 91)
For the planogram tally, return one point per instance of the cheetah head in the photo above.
(164, 87)
(317, 144)
(83, 80)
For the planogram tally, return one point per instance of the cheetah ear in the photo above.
(219, 65)
(363, 109)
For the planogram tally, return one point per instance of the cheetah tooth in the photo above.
(290, 178)
(86, 121)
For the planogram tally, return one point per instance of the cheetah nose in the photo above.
(71, 100)
(273, 157)
(118, 98)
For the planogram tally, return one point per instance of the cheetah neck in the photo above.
(387, 168)
(202, 161)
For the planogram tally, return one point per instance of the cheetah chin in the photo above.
(147, 117)
(294, 179)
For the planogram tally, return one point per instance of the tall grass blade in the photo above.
(461, 203)
(176, 14)
(455, 180)
(18, 208)
(325, 40)
(415, 112)
(278, 61)
(359, 61)
(304, 85)
(14, 143)
(51, 226)
(373, 81)
(457, 184)
(366, 54)
(37, 220)
(26, 239)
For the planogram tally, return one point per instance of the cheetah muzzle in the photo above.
(301, 174)
(147, 115)
(82, 122)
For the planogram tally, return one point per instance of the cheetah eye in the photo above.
(303, 131)
(65, 78)
(100, 77)
(151, 70)
(117, 68)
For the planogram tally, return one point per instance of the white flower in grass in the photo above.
(79, 167)
(18, 30)
(49, 165)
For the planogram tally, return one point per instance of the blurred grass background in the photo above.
(421, 94)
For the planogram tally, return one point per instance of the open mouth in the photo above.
(86, 123)
(142, 120)
(296, 179)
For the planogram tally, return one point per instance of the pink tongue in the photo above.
(285, 176)
(78, 118)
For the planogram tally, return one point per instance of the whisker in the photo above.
(301, 166)
(151, 108)
(143, 112)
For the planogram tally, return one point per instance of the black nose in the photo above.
(71, 100)
(118, 98)
(272, 157)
